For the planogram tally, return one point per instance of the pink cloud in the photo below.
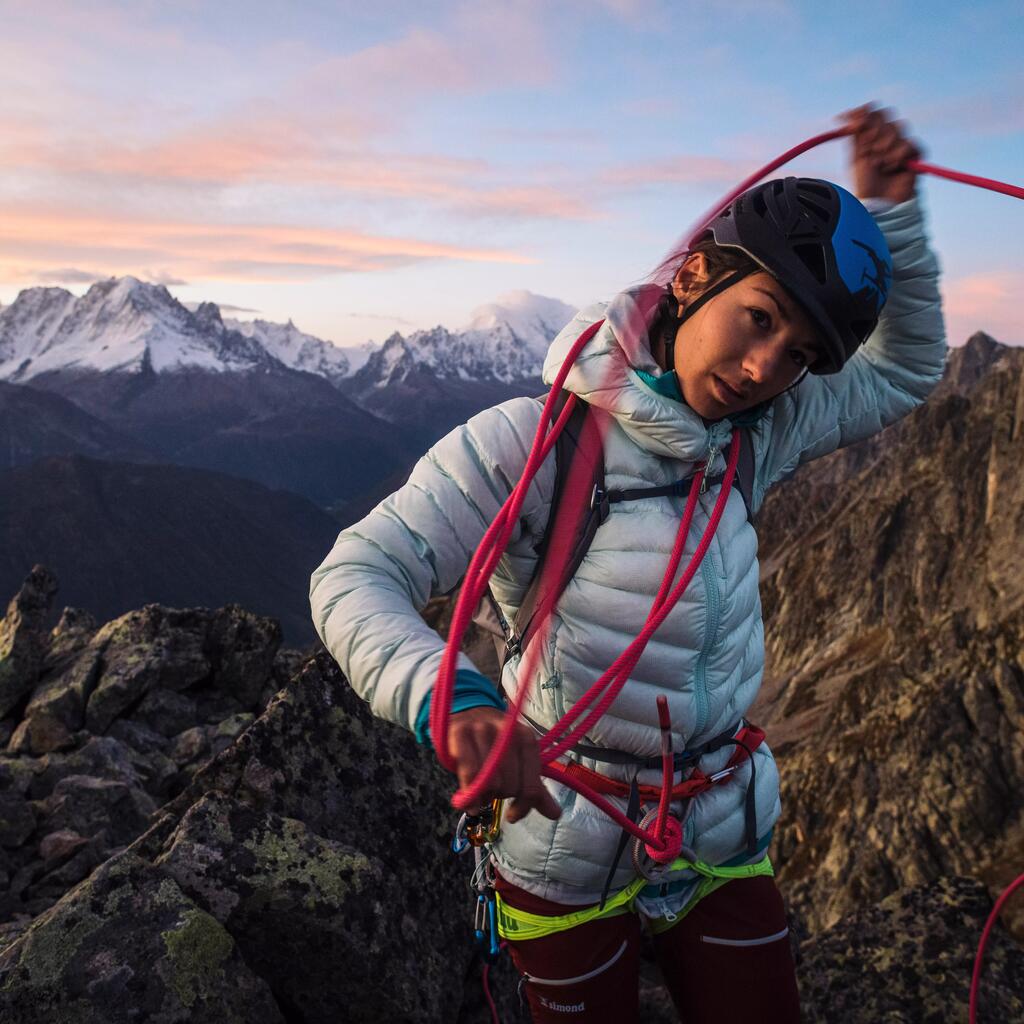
(483, 46)
(987, 302)
(33, 242)
(290, 155)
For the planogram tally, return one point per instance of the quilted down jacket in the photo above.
(708, 656)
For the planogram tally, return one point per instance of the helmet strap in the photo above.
(684, 313)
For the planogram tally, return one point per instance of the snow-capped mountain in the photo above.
(505, 342)
(533, 319)
(124, 325)
(119, 325)
(299, 350)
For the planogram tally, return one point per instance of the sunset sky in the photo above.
(362, 168)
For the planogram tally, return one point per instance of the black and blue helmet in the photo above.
(820, 243)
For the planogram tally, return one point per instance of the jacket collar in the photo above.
(614, 371)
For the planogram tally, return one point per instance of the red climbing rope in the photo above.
(568, 731)
(989, 925)
(966, 179)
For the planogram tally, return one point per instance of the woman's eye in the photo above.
(765, 320)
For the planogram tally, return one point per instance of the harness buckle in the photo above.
(599, 500)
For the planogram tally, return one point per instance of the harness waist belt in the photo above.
(681, 760)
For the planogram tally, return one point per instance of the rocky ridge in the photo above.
(196, 824)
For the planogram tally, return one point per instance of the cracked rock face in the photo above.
(894, 690)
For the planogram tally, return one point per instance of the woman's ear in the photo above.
(690, 279)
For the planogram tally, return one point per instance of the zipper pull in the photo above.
(712, 455)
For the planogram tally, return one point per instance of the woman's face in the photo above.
(747, 344)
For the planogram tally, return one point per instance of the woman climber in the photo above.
(770, 324)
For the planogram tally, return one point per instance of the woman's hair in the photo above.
(720, 260)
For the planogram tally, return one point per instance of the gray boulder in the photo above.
(128, 946)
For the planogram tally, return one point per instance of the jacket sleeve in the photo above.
(367, 593)
(895, 369)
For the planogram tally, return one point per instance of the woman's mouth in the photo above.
(727, 394)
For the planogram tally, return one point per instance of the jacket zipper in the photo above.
(713, 610)
(709, 461)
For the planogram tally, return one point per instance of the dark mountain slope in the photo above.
(120, 536)
(35, 424)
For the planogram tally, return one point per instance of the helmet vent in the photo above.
(819, 210)
(813, 258)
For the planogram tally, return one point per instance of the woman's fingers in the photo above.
(530, 790)
(468, 758)
(474, 733)
(880, 151)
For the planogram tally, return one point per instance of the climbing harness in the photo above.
(658, 838)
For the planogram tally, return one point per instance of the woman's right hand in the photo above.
(472, 734)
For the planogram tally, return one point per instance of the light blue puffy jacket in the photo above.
(708, 656)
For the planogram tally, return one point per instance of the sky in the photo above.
(365, 168)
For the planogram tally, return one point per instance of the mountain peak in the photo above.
(208, 312)
(967, 364)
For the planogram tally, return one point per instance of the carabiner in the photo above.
(460, 841)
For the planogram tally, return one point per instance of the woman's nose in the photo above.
(760, 364)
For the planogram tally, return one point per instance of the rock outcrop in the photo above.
(176, 847)
(109, 724)
(894, 692)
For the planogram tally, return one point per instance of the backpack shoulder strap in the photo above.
(745, 469)
(572, 521)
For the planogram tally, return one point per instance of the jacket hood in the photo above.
(605, 374)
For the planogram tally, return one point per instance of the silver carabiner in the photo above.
(460, 841)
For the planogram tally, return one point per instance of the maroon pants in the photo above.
(728, 960)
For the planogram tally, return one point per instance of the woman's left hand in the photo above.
(880, 151)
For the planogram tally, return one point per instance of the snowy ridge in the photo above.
(128, 326)
(505, 341)
(299, 350)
